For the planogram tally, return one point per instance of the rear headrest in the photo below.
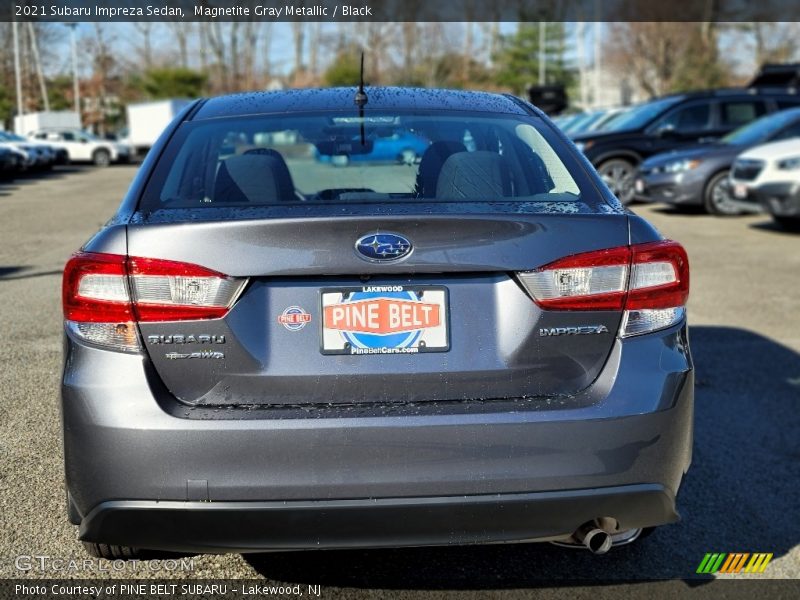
(477, 175)
(259, 178)
(430, 165)
(282, 174)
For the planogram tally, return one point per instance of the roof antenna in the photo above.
(361, 100)
(361, 96)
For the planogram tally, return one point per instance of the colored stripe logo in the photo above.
(734, 562)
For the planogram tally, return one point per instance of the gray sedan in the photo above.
(698, 176)
(264, 351)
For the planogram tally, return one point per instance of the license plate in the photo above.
(384, 319)
(740, 191)
(639, 186)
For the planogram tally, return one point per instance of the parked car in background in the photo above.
(609, 117)
(43, 155)
(82, 146)
(673, 122)
(10, 162)
(400, 147)
(768, 177)
(564, 121)
(25, 158)
(581, 121)
(698, 176)
(595, 120)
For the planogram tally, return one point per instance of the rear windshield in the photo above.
(373, 159)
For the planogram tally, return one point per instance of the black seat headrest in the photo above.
(479, 175)
(254, 177)
(430, 165)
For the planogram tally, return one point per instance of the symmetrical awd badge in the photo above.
(383, 247)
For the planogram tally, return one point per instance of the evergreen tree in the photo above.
(518, 59)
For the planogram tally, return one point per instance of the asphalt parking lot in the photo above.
(740, 495)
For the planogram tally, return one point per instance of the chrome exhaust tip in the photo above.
(595, 539)
(599, 536)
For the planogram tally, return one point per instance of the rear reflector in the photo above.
(647, 278)
(113, 291)
(120, 336)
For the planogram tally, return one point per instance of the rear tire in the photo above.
(617, 173)
(101, 158)
(788, 223)
(716, 199)
(110, 551)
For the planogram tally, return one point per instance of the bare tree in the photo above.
(298, 36)
(235, 83)
(102, 59)
(667, 56)
(313, 57)
(145, 30)
(182, 32)
(774, 42)
(217, 47)
(408, 35)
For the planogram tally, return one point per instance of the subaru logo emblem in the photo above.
(383, 247)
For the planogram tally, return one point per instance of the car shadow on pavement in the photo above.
(740, 495)
(12, 273)
(30, 177)
(772, 227)
(679, 209)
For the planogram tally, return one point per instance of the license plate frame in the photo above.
(342, 340)
(740, 191)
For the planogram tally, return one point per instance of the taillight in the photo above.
(105, 294)
(164, 290)
(650, 282)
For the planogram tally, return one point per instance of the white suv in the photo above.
(769, 176)
(82, 146)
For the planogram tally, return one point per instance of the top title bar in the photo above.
(400, 10)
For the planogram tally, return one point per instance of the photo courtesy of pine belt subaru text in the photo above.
(288, 337)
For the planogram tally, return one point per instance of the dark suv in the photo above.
(671, 122)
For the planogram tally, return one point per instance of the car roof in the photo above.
(379, 98)
(735, 92)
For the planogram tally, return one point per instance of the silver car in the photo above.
(265, 351)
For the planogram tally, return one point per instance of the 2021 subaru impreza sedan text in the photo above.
(267, 351)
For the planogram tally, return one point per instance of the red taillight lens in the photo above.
(659, 276)
(650, 282)
(652, 275)
(101, 288)
(590, 281)
(95, 289)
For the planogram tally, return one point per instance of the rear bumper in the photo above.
(145, 471)
(386, 522)
(779, 199)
